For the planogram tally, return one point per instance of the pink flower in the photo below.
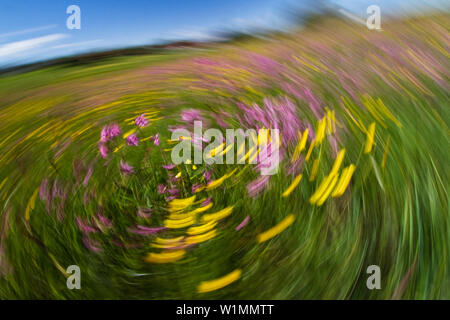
(196, 186)
(114, 130)
(144, 212)
(126, 168)
(103, 150)
(132, 140)
(207, 175)
(88, 176)
(87, 196)
(143, 231)
(84, 227)
(109, 132)
(173, 178)
(190, 115)
(206, 202)
(257, 186)
(161, 188)
(243, 223)
(104, 221)
(156, 139)
(104, 135)
(57, 191)
(169, 166)
(141, 121)
(91, 244)
(44, 193)
(174, 128)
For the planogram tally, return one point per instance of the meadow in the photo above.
(86, 176)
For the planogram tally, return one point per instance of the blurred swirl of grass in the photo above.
(394, 212)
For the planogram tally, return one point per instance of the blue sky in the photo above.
(35, 30)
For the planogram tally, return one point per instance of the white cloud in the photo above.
(13, 48)
(192, 34)
(80, 44)
(25, 31)
(352, 16)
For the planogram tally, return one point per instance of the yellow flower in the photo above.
(165, 257)
(168, 240)
(337, 162)
(180, 204)
(370, 137)
(216, 150)
(300, 146)
(291, 188)
(304, 139)
(328, 190)
(181, 223)
(216, 183)
(226, 150)
(174, 245)
(212, 285)
(321, 130)
(272, 232)
(217, 215)
(180, 216)
(203, 209)
(314, 169)
(311, 147)
(202, 229)
(252, 151)
(199, 189)
(201, 237)
(343, 181)
(129, 133)
(31, 203)
(253, 157)
(321, 189)
(241, 149)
